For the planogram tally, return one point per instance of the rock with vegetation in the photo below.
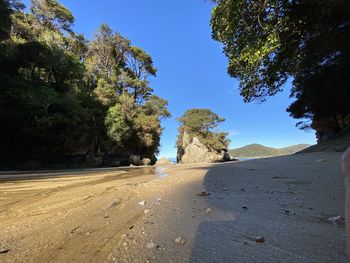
(65, 97)
(196, 140)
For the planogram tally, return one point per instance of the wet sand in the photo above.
(95, 216)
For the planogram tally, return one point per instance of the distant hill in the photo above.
(258, 150)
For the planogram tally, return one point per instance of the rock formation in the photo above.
(192, 150)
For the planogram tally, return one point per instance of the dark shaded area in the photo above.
(338, 144)
(121, 173)
(288, 204)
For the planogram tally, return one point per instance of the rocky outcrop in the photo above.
(146, 161)
(134, 160)
(329, 128)
(192, 150)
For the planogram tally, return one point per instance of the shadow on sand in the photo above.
(282, 199)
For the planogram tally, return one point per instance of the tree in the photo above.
(200, 120)
(5, 20)
(51, 14)
(64, 96)
(113, 58)
(139, 66)
(155, 105)
(267, 42)
(105, 55)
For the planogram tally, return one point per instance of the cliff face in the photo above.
(192, 150)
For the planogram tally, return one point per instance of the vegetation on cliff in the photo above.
(65, 95)
(258, 150)
(200, 123)
(268, 42)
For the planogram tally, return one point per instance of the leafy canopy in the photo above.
(269, 41)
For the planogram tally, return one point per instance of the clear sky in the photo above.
(191, 68)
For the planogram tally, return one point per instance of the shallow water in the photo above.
(160, 171)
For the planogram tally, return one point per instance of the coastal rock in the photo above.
(134, 160)
(146, 161)
(95, 161)
(193, 151)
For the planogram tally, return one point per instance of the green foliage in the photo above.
(52, 15)
(267, 42)
(63, 95)
(117, 128)
(155, 105)
(200, 120)
(106, 93)
(113, 58)
(5, 20)
(199, 123)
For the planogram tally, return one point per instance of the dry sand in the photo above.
(95, 215)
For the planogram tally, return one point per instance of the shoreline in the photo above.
(97, 216)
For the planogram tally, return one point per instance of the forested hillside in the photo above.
(65, 97)
(258, 150)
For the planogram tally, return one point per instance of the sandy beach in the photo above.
(197, 213)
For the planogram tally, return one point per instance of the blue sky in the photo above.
(191, 68)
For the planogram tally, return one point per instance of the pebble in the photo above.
(150, 245)
(209, 211)
(180, 240)
(142, 202)
(260, 239)
(244, 207)
(337, 220)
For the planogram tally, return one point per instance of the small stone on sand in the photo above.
(209, 211)
(260, 239)
(150, 245)
(180, 240)
(142, 203)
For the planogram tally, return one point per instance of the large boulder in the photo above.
(192, 150)
(134, 160)
(146, 161)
